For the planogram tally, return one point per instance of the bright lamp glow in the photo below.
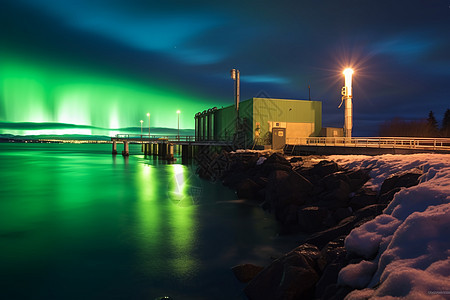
(178, 111)
(348, 71)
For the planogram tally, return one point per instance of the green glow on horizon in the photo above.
(42, 91)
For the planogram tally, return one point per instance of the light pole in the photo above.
(347, 96)
(178, 113)
(148, 115)
(141, 127)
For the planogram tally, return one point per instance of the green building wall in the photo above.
(263, 110)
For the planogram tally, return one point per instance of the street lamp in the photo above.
(347, 95)
(178, 113)
(141, 127)
(148, 115)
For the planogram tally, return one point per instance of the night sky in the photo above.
(107, 63)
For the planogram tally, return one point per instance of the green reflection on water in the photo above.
(165, 219)
(183, 220)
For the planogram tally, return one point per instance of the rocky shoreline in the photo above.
(307, 195)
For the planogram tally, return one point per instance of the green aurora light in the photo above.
(45, 91)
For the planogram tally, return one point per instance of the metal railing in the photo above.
(146, 137)
(374, 142)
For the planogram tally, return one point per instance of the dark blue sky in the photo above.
(400, 50)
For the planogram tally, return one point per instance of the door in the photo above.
(278, 138)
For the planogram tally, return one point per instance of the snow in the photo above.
(407, 248)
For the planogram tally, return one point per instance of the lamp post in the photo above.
(141, 127)
(347, 95)
(178, 113)
(148, 115)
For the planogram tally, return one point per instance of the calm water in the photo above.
(79, 223)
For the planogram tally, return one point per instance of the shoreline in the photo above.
(306, 195)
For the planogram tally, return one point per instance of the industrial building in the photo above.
(261, 122)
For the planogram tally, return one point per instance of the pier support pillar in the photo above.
(126, 150)
(170, 148)
(114, 147)
(162, 149)
(155, 149)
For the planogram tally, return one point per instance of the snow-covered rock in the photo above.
(411, 240)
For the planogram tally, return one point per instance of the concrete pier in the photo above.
(169, 155)
(126, 150)
(114, 147)
(155, 149)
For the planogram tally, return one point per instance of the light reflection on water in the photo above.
(77, 222)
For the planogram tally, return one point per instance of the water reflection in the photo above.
(183, 225)
(165, 219)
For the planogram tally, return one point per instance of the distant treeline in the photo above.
(419, 128)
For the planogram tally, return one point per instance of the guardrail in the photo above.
(375, 142)
(184, 138)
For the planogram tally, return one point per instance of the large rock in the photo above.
(311, 218)
(248, 189)
(400, 180)
(246, 272)
(292, 276)
(341, 213)
(294, 189)
(320, 239)
(362, 199)
(357, 178)
(333, 252)
(329, 277)
(324, 168)
(277, 158)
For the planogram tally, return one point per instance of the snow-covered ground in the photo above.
(410, 240)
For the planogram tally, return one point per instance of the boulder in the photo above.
(268, 168)
(295, 159)
(248, 189)
(320, 239)
(246, 272)
(324, 168)
(387, 197)
(369, 211)
(339, 195)
(400, 180)
(329, 277)
(362, 199)
(277, 158)
(310, 218)
(341, 213)
(333, 252)
(357, 178)
(292, 276)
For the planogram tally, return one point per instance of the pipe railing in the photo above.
(374, 142)
(172, 138)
